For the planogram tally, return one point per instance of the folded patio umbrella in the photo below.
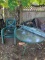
(34, 30)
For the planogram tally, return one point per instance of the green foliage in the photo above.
(1, 1)
(25, 2)
(14, 3)
(41, 2)
(35, 2)
(4, 3)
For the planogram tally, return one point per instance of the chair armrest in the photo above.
(2, 31)
(15, 31)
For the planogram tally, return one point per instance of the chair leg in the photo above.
(2, 40)
(15, 41)
(2, 37)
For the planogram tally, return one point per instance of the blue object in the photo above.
(29, 35)
(34, 30)
(9, 31)
(25, 34)
(10, 22)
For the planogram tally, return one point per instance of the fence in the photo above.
(26, 14)
(34, 12)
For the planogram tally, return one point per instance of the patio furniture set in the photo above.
(30, 34)
(29, 27)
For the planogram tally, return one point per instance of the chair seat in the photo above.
(9, 33)
(9, 36)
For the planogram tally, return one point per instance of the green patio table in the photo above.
(29, 37)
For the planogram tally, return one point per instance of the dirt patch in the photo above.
(14, 52)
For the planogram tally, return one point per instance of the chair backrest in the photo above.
(10, 22)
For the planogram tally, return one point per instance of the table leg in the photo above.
(24, 50)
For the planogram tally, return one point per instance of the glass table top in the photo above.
(28, 37)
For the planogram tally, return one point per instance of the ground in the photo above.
(9, 51)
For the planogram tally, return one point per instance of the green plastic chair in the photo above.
(9, 31)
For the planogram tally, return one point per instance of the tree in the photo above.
(4, 3)
(14, 3)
